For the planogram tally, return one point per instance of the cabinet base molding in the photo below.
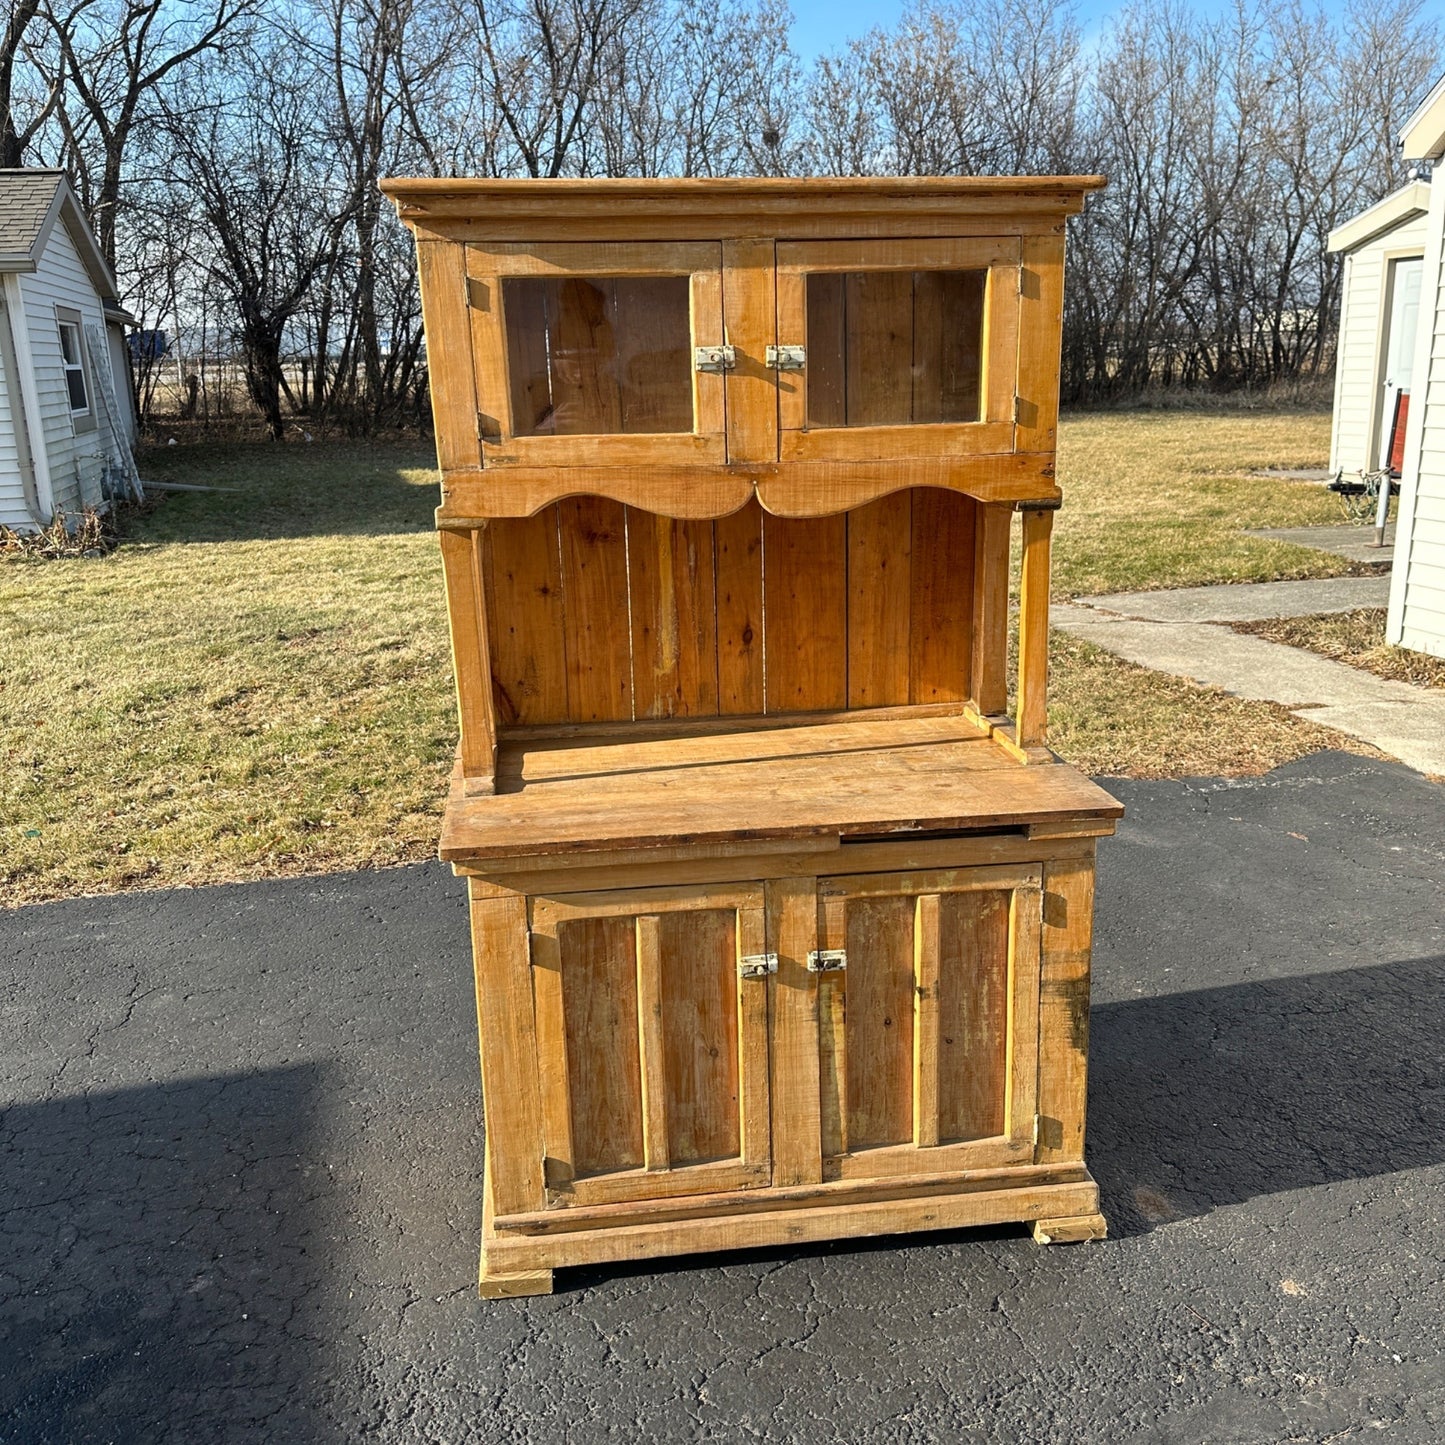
(512, 1257)
(1070, 1229)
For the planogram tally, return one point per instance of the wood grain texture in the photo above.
(879, 934)
(1040, 327)
(1033, 663)
(880, 545)
(755, 1123)
(522, 562)
(594, 589)
(794, 1227)
(878, 310)
(941, 563)
(699, 1033)
(738, 550)
(988, 672)
(1068, 921)
(652, 1033)
(467, 618)
(927, 967)
(511, 1096)
(750, 321)
(805, 602)
(673, 619)
(833, 1030)
(598, 964)
(973, 1014)
(441, 267)
(792, 930)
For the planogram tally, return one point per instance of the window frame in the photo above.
(82, 419)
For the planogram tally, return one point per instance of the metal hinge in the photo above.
(787, 358)
(714, 358)
(1038, 1120)
(757, 965)
(1018, 407)
(827, 960)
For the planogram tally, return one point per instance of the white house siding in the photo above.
(1354, 445)
(1417, 589)
(13, 512)
(76, 462)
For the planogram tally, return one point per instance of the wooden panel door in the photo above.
(652, 1036)
(928, 1010)
(910, 348)
(586, 355)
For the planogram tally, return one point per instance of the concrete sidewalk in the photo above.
(242, 1167)
(1177, 632)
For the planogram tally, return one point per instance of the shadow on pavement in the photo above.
(1211, 1098)
(164, 1263)
(1215, 1097)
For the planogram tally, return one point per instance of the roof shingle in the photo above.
(25, 200)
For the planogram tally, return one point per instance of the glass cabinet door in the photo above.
(598, 355)
(896, 349)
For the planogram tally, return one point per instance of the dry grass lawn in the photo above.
(257, 681)
(1357, 638)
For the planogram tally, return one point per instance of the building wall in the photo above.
(1417, 587)
(13, 511)
(76, 461)
(1354, 439)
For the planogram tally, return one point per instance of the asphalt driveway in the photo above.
(240, 1172)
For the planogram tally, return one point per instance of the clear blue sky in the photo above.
(823, 25)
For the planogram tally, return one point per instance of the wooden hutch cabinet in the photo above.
(781, 920)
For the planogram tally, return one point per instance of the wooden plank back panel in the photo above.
(879, 323)
(598, 969)
(880, 1021)
(880, 542)
(598, 626)
(601, 612)
(973, 1014)
(805, 606)
(941, 579)
(522, 561)
(699, 1031)
(674, 617)
(738, 553)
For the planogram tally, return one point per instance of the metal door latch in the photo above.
(786, 358)
(757, 965)
(827, 960)
(714, 358)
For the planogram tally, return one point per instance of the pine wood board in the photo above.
(1022, 1203)
(892, 787)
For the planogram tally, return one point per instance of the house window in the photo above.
(71, 355)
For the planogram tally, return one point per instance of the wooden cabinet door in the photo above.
(651, 1012)
(587, 355)
(909, 348)
(928, 1004)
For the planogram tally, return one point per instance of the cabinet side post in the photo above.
(989, 672)
(1068, 926)
(471, 660)
(1034, 627)
(511, 1102)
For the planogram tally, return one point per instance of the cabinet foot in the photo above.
(1070, 1229)
(515, 1285)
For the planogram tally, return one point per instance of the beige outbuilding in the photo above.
(1384, 250)
(1417, 592)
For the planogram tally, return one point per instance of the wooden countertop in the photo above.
(597, 790)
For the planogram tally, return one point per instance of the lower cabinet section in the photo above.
(697, 1067)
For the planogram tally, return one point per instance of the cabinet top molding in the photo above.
(731, 206)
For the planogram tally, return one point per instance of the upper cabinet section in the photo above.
(683, 346)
